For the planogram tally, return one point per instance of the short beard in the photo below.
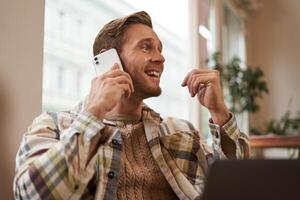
(148, 94)
(154, 93)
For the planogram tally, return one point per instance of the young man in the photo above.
(112, 146)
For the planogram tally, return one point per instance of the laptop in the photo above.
(253, 180)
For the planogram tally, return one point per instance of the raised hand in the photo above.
(206, 85)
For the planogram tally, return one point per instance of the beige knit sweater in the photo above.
(140, 177)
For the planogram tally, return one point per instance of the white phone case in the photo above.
(104, 61)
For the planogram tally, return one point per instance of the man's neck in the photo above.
(131, 107)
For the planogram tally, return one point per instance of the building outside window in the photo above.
(70, 29)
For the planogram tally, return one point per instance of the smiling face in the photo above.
(142, 59)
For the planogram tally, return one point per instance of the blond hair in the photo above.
(111, 35)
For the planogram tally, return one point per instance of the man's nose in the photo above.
(158, 57)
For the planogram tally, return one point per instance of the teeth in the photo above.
(153, 73)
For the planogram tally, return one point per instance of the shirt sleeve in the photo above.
(56, 165)
(230, 130)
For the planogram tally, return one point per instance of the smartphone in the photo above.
(104, 61)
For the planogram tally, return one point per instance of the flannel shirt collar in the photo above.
(147, 112)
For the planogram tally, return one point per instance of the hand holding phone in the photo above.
(109, 86)
(105, 60)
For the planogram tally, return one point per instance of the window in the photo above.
(70, 29)
(62, 23)
(233, 36)
(234, 45)
(61, 76)
(231, 43)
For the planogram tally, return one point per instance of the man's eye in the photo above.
(146, 47)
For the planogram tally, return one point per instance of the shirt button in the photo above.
(115, 142)
(111, 174)
(76, 187)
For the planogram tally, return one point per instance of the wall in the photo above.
(274, 45)
(21, 54)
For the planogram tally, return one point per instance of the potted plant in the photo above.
(241, 86)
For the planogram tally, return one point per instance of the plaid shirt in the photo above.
(72, 155)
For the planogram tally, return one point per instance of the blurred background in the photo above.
(46, 64)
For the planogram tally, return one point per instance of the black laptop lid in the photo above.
(253, 180)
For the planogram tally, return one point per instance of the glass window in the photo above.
(70, 29)
(233, 44)
(233, 36)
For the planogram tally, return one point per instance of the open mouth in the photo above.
(154, 74)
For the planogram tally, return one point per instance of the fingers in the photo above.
(198, 87)
(195, 83)
(116, 66)
(200, 79)
(184, 82)
(197, 71)
(123, 79)
(199, 82)
(126, 89)
(114, 70)
(116, 75)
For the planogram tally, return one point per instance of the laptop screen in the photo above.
(253, 179)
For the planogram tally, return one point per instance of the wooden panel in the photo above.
(269, 141)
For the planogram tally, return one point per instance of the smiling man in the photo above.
(112, 146)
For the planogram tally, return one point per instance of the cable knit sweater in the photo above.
(140, 177)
